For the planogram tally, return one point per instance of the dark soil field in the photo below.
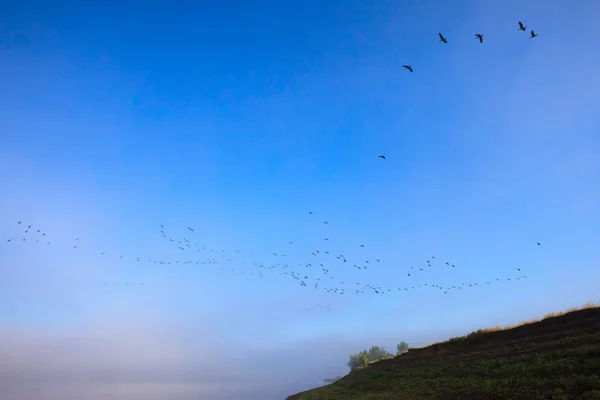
(555, 358)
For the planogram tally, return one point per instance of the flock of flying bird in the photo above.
(318, 270)
(479, 37)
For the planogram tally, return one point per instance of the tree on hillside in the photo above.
(363, 358)
(358, 360)
(402, 348)
(377, 353)
(354, 361)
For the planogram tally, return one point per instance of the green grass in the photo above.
(523, 368)
(560, 374)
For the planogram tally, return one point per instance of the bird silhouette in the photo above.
(533, 34)
(480, 37)
(521, 26)
(442, 38)
(382, 157)
(407, 67)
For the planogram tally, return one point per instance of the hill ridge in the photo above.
(572, 330)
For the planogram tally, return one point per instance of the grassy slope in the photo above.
(554, 358)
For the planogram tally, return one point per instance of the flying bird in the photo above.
(190, 229)
(533, 34)
(480, 37)
(442, 38)
(407, 67)
(382, 157)
(521, 26)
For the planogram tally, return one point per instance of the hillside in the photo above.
(555, 358)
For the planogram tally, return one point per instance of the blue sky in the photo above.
(237, 119)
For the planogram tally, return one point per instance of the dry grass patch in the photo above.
(589, 304)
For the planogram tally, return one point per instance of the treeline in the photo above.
(376, 353)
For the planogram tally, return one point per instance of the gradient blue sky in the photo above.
(237, 118)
